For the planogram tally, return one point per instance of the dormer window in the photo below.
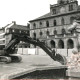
(53, 11)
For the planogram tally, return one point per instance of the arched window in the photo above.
(55, 32)
(34, 26)
(47, 23)
(47, 32)
(62, 21)
(60, 44)
(52, 44)
(70, 44)
(55, 23)
(72, 19)
(63, 31)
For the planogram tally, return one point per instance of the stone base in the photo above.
(73, 73)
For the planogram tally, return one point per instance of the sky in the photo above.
(23, 11)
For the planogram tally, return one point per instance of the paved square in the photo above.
(28, 64)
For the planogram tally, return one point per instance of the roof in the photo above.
(48, 15)
(21, 27)
(42, 17)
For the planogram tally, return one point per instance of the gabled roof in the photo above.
(21, 27)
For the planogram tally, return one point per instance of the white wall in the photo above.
(38, 51)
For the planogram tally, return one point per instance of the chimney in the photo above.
(14, 22)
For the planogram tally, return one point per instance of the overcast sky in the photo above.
(22, 11)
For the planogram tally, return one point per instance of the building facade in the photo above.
(52, 28)
(2, 38)
(10, 29)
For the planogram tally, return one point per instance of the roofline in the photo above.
(57, 5)
(56, 16)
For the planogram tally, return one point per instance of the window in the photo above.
(47, 32)
(55, 32)
(41, 33)
(53, 11)
(34, 34)
(55, 23)
(34, 26)
(62, 21)
(70, 7)
(40, 23)
(72, 19)
(52, 44)
(70, 44)
(61, 44)
(47, 23)
(63, 31)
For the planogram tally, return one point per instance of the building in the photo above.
(52, 27)
(2, 38)
(10, 29)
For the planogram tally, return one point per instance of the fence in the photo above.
(38, 51)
